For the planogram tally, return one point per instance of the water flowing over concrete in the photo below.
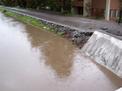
(33, 59)
(106, 50)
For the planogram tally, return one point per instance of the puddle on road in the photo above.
(37, 60)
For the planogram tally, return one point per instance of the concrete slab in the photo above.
(105, 50)
(120, 89)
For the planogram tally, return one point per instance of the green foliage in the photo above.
(60, 33)
(66, 5)
(55, 5)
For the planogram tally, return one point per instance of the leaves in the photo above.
(55, 5)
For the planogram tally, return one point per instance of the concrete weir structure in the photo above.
(105, 50)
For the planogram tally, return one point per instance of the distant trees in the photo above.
(7, 2)
(56, 5)
(66, 6)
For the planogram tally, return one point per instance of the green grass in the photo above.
(28, 20)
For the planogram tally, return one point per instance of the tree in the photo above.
(40, 4)
(66, 6)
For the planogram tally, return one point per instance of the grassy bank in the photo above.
(27, 19)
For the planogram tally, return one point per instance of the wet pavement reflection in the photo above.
(36, 60)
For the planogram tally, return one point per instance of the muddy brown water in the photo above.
(36, 60)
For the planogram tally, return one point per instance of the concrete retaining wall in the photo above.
(106, 50)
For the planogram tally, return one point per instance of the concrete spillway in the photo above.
(105, 50)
